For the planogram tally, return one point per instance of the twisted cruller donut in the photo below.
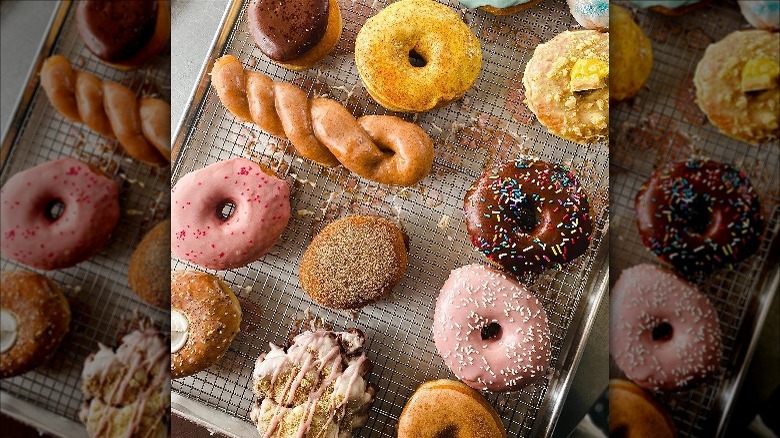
(384, 149)
(142, 126)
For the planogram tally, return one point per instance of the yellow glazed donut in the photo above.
(631, 55)
(737, 85)
(423, 29)
(566, 85)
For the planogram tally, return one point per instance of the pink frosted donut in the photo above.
(664, 334)
(202, 234)
(89, 210)
(490, 330)
(590, 14)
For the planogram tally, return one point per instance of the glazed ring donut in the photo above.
(34, 318)
(490, 330)
(633, 413)
(33, 236)
(699, 216)
(448, 408)
(663, 333)
(433, 32)
(528, 215)
(205, 317)
(202, 234)
(149, 266)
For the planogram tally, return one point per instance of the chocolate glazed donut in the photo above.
(699, 216)
(528, 215)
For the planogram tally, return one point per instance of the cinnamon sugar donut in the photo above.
(205, 317)
(448, 408)
(34, 318)
(633, 413)
(150, 264)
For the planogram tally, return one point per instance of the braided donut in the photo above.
(384, 149)
(142, 126)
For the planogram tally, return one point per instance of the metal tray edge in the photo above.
(40, 418)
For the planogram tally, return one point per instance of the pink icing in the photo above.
(262, 210)
(664, 334)
(91, 211)
(473, 298)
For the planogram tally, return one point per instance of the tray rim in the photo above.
(582, 320)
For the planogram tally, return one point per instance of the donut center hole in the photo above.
(450, 431)
(524, 209)
(416, 59)
(491, 331)
(695, 214)
(225, 209)
(54, 209)
(663, 332)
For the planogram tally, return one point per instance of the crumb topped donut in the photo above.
(566, 85)
(354, 261)
(528, 215)
(633, 413)
(699, 216)
(490, 330)
(34, 318)
(205, 317)
(663, 333)
(500, 7)
(448, 408)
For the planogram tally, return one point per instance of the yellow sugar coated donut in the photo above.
(433, 32)
(631, 53)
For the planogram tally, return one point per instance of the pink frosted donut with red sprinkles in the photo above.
(663, 333)
(490, 330)
(228, 214)
(57, 214)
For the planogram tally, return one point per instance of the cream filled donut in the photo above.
(57, 214)
(257, 206)
(490, 330)
(664, 334)
(761, 14)
(591, 14)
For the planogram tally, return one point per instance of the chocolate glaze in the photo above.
(116, 30)
(286, 29)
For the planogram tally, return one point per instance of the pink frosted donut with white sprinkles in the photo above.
(664, 334)
(57, 214)
(490, 330)
(202, 232)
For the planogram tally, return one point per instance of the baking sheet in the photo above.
(490, 124)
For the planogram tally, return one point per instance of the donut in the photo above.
(57, 214)
(500, 7)
(34, 318)
(149, 266)
(127, 390)
(528, 215)
(566, 85)
(315, 387)
(591, 14)
(448, 408)
(633, 413)
(737, 85)
(205, 317)
(631, 56)
(663, 333)
(490, 330)
(124, 34)
(699, 216)
(761, 14)
(354, 261)
(206, 232)
(417, 55)
(295, 34)
(670, 7)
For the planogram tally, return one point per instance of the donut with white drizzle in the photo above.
(490, 330)
(663, 333)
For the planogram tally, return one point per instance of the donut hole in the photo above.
(449, 431)
(695, 213)
(524, 209)
(663, 332)
(54, 209)
(416, 59)
(225, 210)
(491, 331)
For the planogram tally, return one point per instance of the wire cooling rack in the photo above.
(663, 124)
(102, 304)
(490, 124)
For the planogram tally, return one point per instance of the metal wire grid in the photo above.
(102, 304)
(662, 124)
(398, 335)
